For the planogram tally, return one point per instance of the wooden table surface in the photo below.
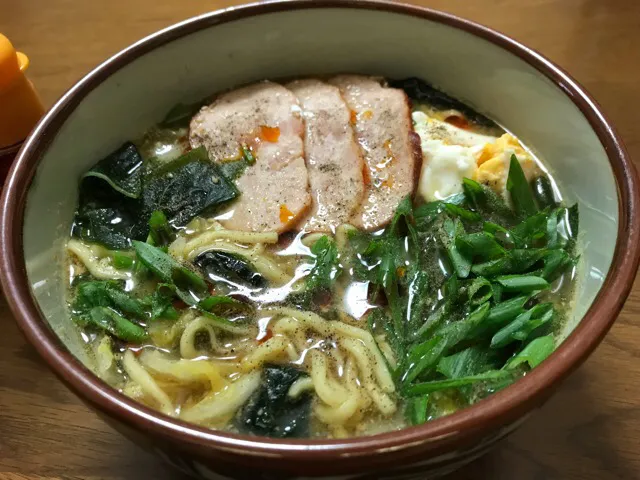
(589, 431)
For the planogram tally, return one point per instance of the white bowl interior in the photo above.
(320, 41)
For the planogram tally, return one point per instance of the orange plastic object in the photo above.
(20, 106)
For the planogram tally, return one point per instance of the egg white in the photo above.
(449, 155)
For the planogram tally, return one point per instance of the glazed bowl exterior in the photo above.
(117, 101)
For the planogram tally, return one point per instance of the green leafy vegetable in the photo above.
(326, 266)
(161, 302)
(160, 232)
(461, 264)
(167, 269)
(531, 231)
(122, 260)
(416, 410)
(106, 294)
(424, 357)
(555, 263)
(457, 211)
(501, 314)
(213, 301)
(571, 225)
(457, 285)
(486, 202)
(543, 192)
(480, 291)
(437, 385)
(523, 325)
(115, 324)
(522, 283)
(247, 155)
(418, 303)
(518, 187)
(480, 245)
(471, 361)
(513, 261)
(534, 353)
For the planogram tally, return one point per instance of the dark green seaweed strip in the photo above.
(122, 170)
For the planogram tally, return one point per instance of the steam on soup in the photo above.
(321, 258)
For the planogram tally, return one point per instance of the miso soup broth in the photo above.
(320, 258)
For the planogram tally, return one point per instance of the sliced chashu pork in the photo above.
(333, 157)
(390, 147)
(266, 117)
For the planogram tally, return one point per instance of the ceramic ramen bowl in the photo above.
(509, 82)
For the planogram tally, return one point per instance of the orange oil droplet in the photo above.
(264, 337)
(366, 175)
(388, 182)
(387, 147)
(458, 121)
(286, 215)
(270, 134)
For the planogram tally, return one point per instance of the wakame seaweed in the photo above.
(108, 208)
(271, 412)
(117, 199)
(122, 170)
(223, 266)
(186, 187)
(421, 91)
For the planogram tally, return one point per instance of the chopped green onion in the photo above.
(534, 353)
(117, 325)
(523, 325)
(482, 244)
(461, 264)
(166, 268)
(543, 192)
(247, 155)
(479, 291)
(417, 410)
(463, 213)
(217, 300)
(555, 263)
(519, 189)
(522, 283)
(437, 385)
(121, 260)
(502, 313)
(160, 232)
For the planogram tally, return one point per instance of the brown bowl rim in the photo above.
(490, 414)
